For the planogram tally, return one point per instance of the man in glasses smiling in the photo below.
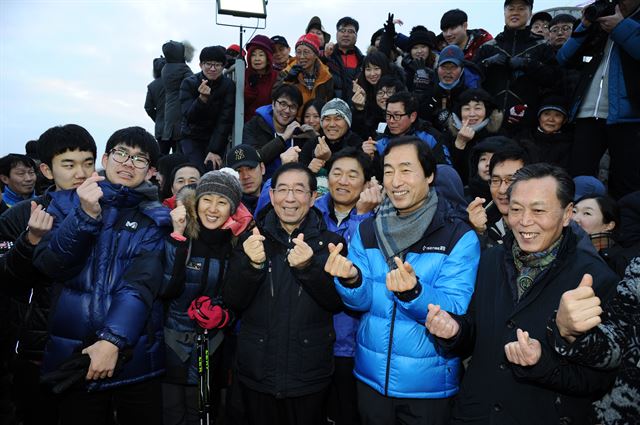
(208, 101)
(104, 257)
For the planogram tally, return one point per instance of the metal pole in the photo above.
(238, 123)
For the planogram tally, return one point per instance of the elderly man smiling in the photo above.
(519, 284)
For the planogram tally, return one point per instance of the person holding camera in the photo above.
(206, 221)
(605, 49)
(208, 105)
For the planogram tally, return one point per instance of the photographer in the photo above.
(605, 49)
(208, 100)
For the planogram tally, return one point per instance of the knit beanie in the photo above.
(213, 54)
(311, 41)
(421, 36)
(337, 106)
(553, 103)
(224, 182)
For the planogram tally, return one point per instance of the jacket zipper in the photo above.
(393, 324)
(271, 280)
(604, 72)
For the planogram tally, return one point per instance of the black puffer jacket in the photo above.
(172, 75)
(209, 122)
(552, 148)
(517, 87)
(551, 392)
(30, 298)
(285, 342)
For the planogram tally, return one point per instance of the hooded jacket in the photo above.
(154, 103)
(107, 275)
(193, 267)
(209, 123)
(551, 392)
(323, 88)
(260, 133)
(394, 353)
(174, 71)
(257, 87)
(285, 341)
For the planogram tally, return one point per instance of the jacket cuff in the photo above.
(112, 338)
(353, 285)
(411, 294)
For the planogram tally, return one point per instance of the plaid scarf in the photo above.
(531, 264)
(310, 79)
(396, 234)
(602, 240)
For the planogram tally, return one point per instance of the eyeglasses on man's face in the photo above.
(209, 65)
(292, 107)
(349, 31)
(558, 29)
(121, 156)
(394, 117)
(497, 181)
(283, 191)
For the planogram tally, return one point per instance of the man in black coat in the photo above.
(276, 279)
(208, 106)
(519, 285)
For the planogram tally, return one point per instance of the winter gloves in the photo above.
(208, 313)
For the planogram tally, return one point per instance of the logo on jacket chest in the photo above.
(131, 225)
(441, 248)
(194, 265)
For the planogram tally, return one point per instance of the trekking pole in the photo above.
(207, 392)
(202, 382)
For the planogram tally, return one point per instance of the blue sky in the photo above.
(89, 62)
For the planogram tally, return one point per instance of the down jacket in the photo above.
(395, 355)
(107, 275)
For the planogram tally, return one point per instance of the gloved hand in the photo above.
(422, 80)
(68, 374)
(390, 27)
(292, 76)
(497, 59)
(516, 113)
(208, 314)
(520, 63)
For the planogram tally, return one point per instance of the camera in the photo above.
(599, 9)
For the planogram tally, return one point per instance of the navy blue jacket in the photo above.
(107, 275)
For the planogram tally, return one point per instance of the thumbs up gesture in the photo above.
(579, 310)
(403, 278)
(301, 253)
(179, 218)
(253, 246)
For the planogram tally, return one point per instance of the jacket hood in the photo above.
(178, 52)
(449, 187)
(266, 113)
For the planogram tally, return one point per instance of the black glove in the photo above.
(292, 76)
(497, 59)
(389, 27)
(520, 63)
(68, 374)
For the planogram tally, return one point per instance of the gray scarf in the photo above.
(396, 234)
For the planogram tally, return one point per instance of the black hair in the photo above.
(12, 160)
(289, 91)
(347, 20)
(453, 18)
(168, 181)
(64, 138)
(135, 137)
(390, 81)
(408, 99)
(316, 103)
(477, 95)
(294, 166)
(357, 154)
(566, 187)
(31, 149)
(511, 151)
(608, 207)
(425, 155)
(377, 59)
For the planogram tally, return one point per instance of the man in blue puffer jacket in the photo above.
(104, 256)
(417, 250)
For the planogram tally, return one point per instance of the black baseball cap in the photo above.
(278, 39)
(243, 155)
(529, 2)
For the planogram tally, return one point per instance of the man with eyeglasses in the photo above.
(104, 256)
(271, 130)
(208, 107)
(276, 279)
(490, 221)
(401, 116)
(345, 61)
(560, 29)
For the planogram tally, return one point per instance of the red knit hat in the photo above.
(311, 41)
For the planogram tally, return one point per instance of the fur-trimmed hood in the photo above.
(495, 122)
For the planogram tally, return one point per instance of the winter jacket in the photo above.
(260, 133)
(154, 105)
(346, 322)
(551, 392)
(421, 130)
(476, 38)
(519, 87)
(173, 73)
(323, 89)
(552, 148)
(343, 77)
(209, 123)
(624, 66)
(29, 289)
(394, 353)
(460, 157)
(349, 139)
(257, 90)
(286, 336)
(107, 275)
(615, 343)
(192, 268)
(627, 237)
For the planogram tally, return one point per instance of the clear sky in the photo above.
(88, 62)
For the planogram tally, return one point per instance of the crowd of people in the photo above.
(444, 230)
